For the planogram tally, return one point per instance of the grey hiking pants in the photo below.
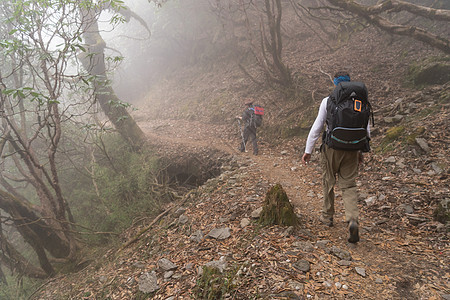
(345, 165)
(250, 133)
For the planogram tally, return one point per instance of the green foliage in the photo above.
(427, 111)
(272, 132)
(215, 108)
(213, 284)
(444, 97)
(127, 192)
(115, 59)
(404, 54)
(29, 93)
(18, 288)
(125, 184)
(277, 209)
(296, 123)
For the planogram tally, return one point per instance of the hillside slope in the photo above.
(404, 251)
(398, 257)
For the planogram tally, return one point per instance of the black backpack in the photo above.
(257, 112)
(348, 114)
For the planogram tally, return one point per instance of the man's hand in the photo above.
(239, 117)
(306, 157)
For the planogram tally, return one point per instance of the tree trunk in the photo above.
(3, 277)
(12, 259)
(50, 229)
(33, 228)
(275, 46)
(94, 62)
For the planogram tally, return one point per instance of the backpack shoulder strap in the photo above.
(331, 101)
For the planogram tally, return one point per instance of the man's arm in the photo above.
(245, 115)
(315, 131)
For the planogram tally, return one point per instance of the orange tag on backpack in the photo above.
(357, 105)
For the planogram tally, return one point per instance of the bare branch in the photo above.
(419, 34)
(295, 6)
(396, 5)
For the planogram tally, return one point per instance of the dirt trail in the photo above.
(399, 264)
(312, 262)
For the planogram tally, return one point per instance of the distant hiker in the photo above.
(252, 118)
(346, 113)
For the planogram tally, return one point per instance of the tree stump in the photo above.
(277, 209)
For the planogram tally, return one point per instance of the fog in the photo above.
(182, 31)
(156, 43)
(175, 29)
(130, 40)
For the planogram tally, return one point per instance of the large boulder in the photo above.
(431, 71)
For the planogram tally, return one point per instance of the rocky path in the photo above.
(217, 227)
(386, 264)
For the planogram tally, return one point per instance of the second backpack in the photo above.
(257, 115)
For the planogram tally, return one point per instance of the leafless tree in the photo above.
(262, 23)
(272, 45)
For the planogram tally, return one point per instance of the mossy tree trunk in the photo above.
(277, 209)
(94, 63)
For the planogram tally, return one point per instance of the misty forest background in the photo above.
(77, 170)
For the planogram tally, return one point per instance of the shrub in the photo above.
(124, 186)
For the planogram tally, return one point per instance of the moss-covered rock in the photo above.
(212, 284)
(277, 209)
(433, 70)
(442, 211)
(394, 133)
(411, 138)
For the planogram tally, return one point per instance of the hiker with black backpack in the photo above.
(346, 113)
(252, 118)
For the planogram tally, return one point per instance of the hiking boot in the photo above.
(354, 231)
(328, 221)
